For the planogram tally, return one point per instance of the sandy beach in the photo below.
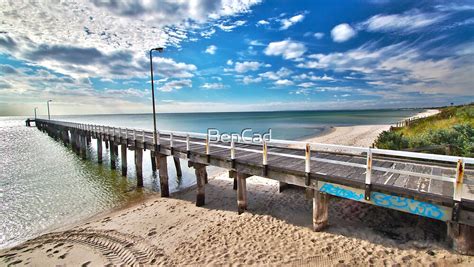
(360, 135)
(276, 229)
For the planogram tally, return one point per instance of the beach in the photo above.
(276, 229)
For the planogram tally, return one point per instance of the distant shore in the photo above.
(359, 135)
(275, 230)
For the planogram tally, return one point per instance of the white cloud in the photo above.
(342, 33)
(401, 67)
(262, 22)
(287, 23)
(288, 49)
(406, 22)
(211, 49)
(113, 25)
(246, 66)
(256, 43)
(175, 85)
(231, 26)
(208, 33)
(284, 82)
(306, 85)
(250, 79)
(281, 73)
(319, 35)
(80, 62)
(213, 86)
(230, 62)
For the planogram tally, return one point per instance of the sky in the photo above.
(91, 57)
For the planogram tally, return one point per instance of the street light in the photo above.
(47, 103)
(35, 112)
(159, 49)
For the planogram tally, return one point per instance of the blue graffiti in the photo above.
(408, 205)
(388, 201)
(341, 192)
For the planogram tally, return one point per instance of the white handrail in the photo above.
(308, 147)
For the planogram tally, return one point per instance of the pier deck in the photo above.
(435, 186)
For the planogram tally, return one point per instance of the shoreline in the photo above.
(275, 230)
(359, 135)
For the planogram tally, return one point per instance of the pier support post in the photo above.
(153, 161)
(83, 146)
(65, 137)
(200, 171)
(462, 238)
(241, 192)
(106, 144)
(139, 166)
(78, 143)
(73, 141)
(282, 186)
(177, 164)
(320, 211)
(99, 150)
(233, 175)
(163, 163)
(113, 157)
(123, 156)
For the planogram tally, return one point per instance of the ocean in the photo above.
(44, 185)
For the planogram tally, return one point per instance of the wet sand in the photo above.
(276, 229)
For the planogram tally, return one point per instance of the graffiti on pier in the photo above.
(388, 201)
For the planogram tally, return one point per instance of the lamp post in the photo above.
(159, 49)
(47, 103)
(35, 112)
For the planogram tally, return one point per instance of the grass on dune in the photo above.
(449, 132)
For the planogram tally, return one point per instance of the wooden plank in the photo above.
(408, 205)
(436, 186)
(402, 179)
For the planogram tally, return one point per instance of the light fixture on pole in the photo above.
(159, 49)
(47, 102)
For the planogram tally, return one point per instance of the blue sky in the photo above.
(92, 57)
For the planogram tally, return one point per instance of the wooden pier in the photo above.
(435, 186)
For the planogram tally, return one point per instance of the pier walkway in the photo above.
(435, 186)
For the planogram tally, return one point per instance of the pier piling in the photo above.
(163, 163)
(462, 237)
(139, 166)
(83, 146)
(153, 161)
(241, 192)
(200, 171)
(113, 155)
(177, 165)
(282, 186)
(99, 149)
(123, 157)
(320, 211)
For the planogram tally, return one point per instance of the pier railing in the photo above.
(306, 149)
